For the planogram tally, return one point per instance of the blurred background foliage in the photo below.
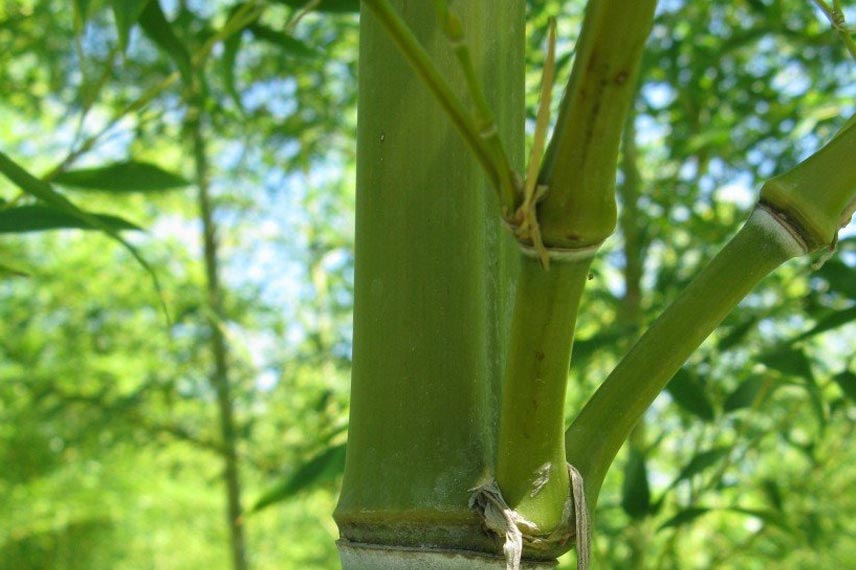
(110, 454)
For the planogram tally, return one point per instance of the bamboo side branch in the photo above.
(578, 209)
(817, 197)
(531, 469)
(606, 421)
(799, 212)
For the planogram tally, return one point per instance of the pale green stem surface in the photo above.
(606, 421)
(531, 469)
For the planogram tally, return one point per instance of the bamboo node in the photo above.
(516, 531)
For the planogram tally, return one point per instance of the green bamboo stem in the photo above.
(432, 290)
(596, 435)
(531, 468)
(579, 166)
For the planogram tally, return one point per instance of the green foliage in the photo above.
(126, 13)
(326, 5)
(689, 393)
(323, 467)
(159, 30)
(636, 493)
(66, 208)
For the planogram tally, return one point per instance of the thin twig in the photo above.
(835, 15)
(308, 8)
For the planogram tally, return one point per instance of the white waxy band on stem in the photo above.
(357, 556)
(779, 229)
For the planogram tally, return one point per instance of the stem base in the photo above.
(358, 556)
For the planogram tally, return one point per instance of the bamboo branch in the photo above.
(576, 215)
(611, 414)
(531, 468)
(578, 209)
(817, 197)
(485, 121)
(799, 212)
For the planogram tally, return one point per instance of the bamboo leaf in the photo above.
(828, 323)
(840, 277)
(12, 268)
(736, 334)
(636, 493)
(158, 29)
(81, 13)
(289, 44)
(815, 396)
(701, 462)
(37, 218)
(126, 13)
(789, 362)
(121, 177)
(321, 468)
(846, 380)
(231, 46)
(744, 395)
(689, 394)
(685, 516)
(771, 518)
(45, 192)
(773, 492)
(333, 6)
(793, 362)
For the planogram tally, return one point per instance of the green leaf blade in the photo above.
(289, 44)
(746, 394)
(122, 177)
(684, 517)
(701, 462)
(45, 192)
(331, 6)
(158, 29)
(323, 467)
(689, 394)
(846, 380)
(636, 492)
(126, 13)
(38, 218)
